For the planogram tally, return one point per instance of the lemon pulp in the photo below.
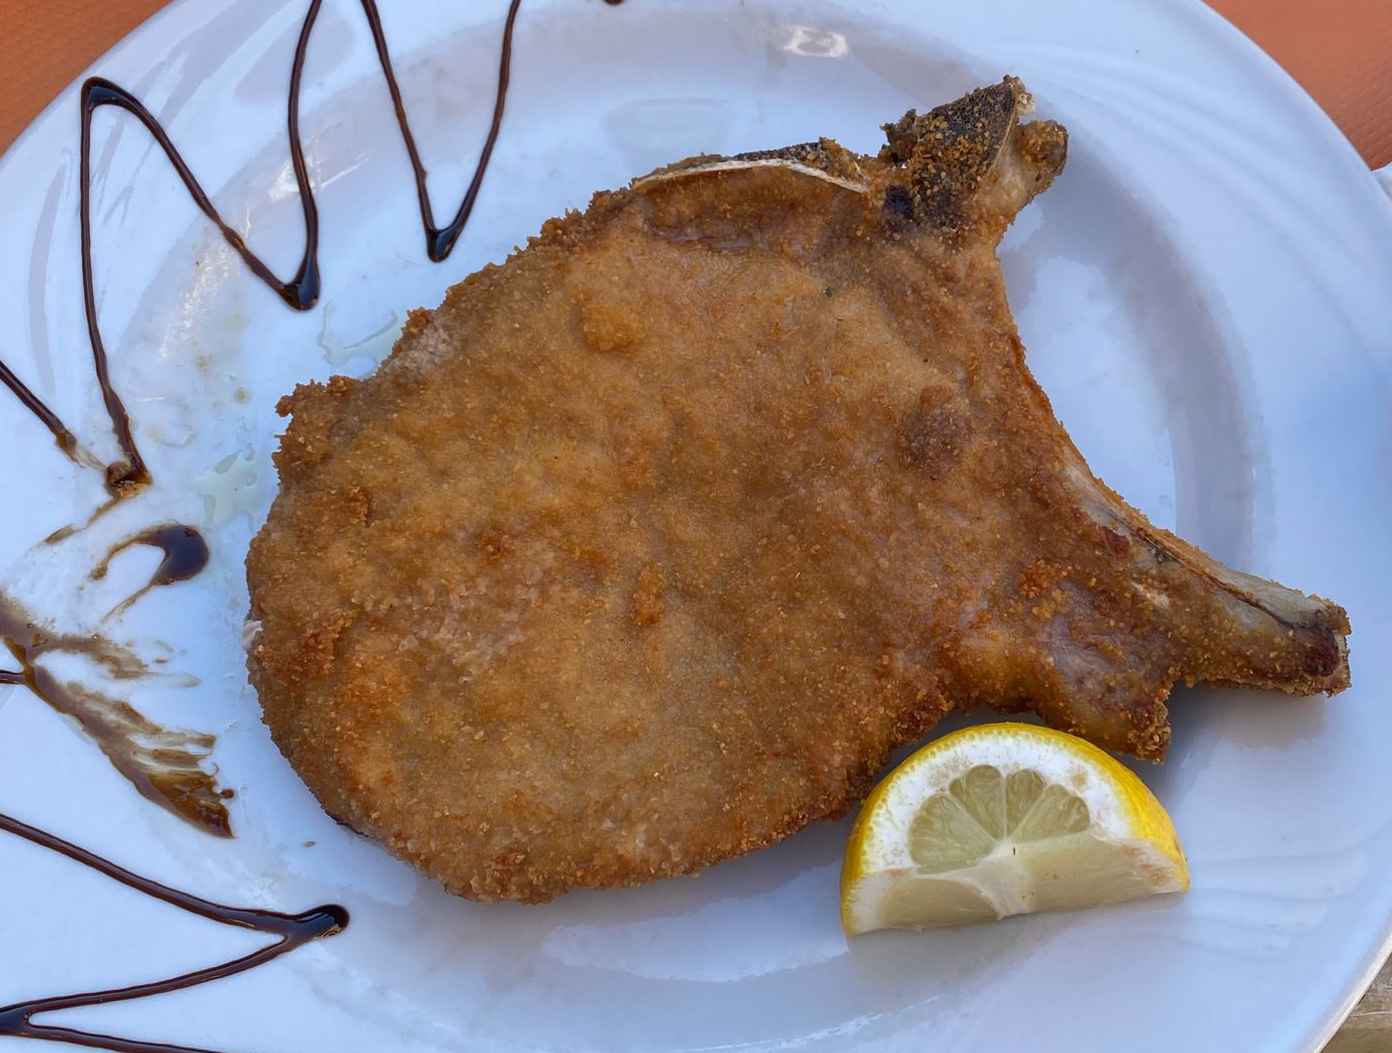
(1005, 819)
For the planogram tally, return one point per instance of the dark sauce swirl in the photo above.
(185, 554)
(130, 474)
(165, 765)
(291, 931)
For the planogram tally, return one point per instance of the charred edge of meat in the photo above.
(949, 152)
(826, 155)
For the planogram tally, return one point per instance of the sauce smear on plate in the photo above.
(291, 931)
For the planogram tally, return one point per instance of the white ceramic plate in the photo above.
(1205, 296)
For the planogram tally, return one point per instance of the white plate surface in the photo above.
(1206, 295)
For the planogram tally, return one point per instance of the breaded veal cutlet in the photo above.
(646, 548)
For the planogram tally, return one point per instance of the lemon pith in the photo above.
(1004, 819)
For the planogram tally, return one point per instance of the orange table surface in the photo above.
(1340, 50)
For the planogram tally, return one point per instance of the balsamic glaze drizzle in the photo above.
(185, 554)
(165, 765)
(301, 290)
(35, 405)
(291, 931)
(439, 241)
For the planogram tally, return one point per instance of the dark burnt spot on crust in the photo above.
(1322, 659)
(932, 435)
(898, 209)
(804, 153)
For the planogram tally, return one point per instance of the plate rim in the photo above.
(1243, 51)
(1295, 95)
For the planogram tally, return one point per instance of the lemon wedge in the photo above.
(1005, 819)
